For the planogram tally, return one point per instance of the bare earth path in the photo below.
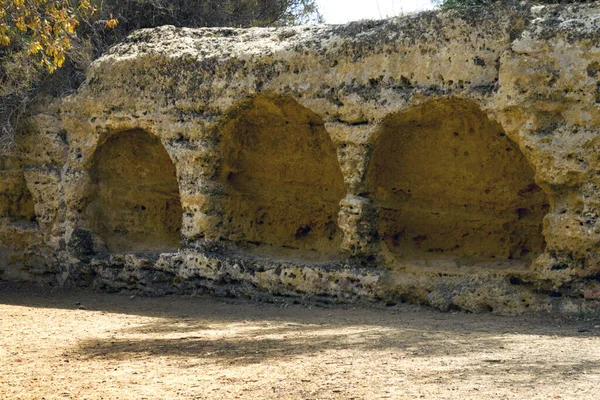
(85, 345)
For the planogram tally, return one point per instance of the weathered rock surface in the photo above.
(446, 158)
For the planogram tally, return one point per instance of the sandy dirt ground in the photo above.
(86, 345)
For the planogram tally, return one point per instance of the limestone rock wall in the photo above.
(449, 159)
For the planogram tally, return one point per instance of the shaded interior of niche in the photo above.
(282, 180)
(135, 203)
(16, 201)
(450, 183)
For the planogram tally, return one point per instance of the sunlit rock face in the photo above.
(134, 203)
(442, 158)
(281, 176)
(450, 183)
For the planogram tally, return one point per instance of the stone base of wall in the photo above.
(476, 289)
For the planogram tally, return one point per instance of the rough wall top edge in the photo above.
(333, 68)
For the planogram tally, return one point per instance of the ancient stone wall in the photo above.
(448, 159)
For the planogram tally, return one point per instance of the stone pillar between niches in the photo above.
(196, 166)
(564, 156)
(201, 217)
(358, 221)
(573, 228)
(44, 184)
(572, 234)
(358, 216)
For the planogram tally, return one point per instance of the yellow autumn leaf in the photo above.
(35, 48)
(59, 60)
(50, 50)
(70, 28)
(20, 24)
(112, 22)
(4, 40)
(84, 5)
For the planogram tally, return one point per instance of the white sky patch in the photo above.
(343, 11)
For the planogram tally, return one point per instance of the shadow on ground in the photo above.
(242, 332)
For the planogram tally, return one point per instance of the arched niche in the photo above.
(135, 203)
(449, 183)
(281, 176)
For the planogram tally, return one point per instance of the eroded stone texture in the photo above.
(281, 178)
(29, 183)
(444, 158)
(16, 201)
(134, 204)
(449, 182)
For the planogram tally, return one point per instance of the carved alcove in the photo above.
(282, 180)
(449, 183)
(135, 202)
